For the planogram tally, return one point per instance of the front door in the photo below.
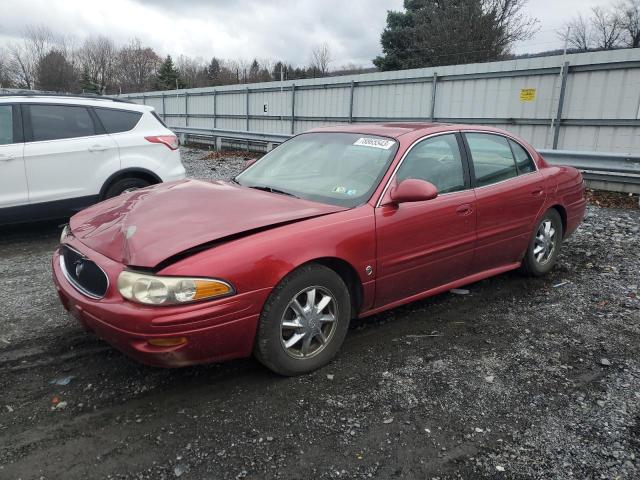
(13, 180)
(423, 245)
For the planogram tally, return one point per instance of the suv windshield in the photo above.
(336, 168)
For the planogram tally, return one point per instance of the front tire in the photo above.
(544, 245)
(125, 185)
(304, 321)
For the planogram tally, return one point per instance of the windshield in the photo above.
(335, 168)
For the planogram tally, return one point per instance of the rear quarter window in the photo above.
(117, 121)
(523, 160)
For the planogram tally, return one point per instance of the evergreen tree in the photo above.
(254, 71)
(213, 71)
(436, 32)
(275, 73)
(86, 84)
(168, 76)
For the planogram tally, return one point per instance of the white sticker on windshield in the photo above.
(375, 143)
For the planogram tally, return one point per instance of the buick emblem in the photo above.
(79, 267)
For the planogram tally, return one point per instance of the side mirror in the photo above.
(248, 163)
(413, 190)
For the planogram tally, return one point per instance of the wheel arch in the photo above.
(563, 216)
(348, 273)
(133, 172)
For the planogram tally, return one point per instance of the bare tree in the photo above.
(193, 71)
(578, 33)
(629, 13)
(136, 67)
(607, 28)
(5, 73)
(98, 58)
(26, 53)
(321, 58)
(510, 22)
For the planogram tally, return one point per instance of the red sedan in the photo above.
(336, 223)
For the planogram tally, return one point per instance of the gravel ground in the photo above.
(520, 378)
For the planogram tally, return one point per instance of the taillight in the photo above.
(170, 141)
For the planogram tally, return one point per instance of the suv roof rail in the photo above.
(92, 96)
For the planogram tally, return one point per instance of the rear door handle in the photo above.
(464, 210)
(97, 148)
(538, 191)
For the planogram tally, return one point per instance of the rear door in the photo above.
(67, 153)
(13, 180)
(423, 245)
(509, 195)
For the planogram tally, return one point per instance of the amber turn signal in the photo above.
(167, 341)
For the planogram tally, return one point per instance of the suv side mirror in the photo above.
(413, 190)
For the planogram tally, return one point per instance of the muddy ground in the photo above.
(520, 378)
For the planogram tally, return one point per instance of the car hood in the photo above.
(147, 226)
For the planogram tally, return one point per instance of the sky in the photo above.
(244, 29)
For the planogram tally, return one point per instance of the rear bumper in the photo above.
(214, 331)
(177, 173)
(575, 216)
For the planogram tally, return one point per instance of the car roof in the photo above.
(93, 101)
(398, 129)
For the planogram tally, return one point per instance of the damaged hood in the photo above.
(147, 226)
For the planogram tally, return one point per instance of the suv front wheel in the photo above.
(125, 185)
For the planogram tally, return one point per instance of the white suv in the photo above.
(59, 154)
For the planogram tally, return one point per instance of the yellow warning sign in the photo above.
(527, 94)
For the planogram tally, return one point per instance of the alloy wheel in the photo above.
(309, 322)
(545, 242)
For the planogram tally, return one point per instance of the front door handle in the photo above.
(97, 148)
(537, 191)
(464, 210)
(7, 158)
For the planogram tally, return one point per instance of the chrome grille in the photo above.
(87, 277)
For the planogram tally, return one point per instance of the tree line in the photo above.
(426, 33)
(429, 33)
(44, 60)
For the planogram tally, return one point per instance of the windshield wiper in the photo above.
(272, 190)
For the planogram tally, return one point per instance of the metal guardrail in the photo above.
(270, 139)
(603, 171)
(594, 161)
(607, 171)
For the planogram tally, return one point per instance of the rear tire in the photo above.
(544, 245)
(125, 185)
(304, 321)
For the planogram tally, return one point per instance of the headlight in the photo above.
(156, 290)
(66, 231)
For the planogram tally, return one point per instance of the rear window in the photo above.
(53, 122)
(117, 121)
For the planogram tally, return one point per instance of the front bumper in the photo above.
(214, 330)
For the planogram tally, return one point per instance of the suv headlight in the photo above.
(157, 290)
(66, 231)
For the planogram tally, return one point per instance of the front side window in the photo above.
(436, 160)
(53, 122)
(492, 158)
(6, 124)
(335, 168)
